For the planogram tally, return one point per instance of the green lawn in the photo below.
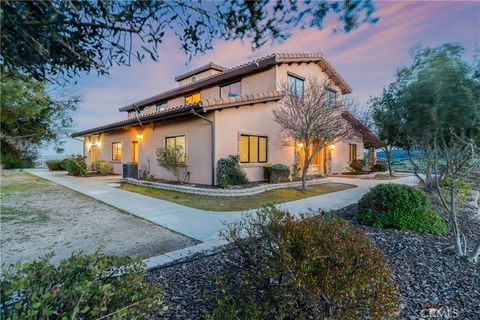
(235, 203)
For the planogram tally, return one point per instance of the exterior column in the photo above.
(372, 157)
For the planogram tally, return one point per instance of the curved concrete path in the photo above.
(199, 224)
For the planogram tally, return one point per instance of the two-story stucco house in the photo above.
(217, 111)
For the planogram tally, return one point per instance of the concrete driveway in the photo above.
(199, 224)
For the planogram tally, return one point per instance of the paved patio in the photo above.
(199, 224)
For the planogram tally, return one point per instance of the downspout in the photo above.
(212, 125)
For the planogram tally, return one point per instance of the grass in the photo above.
(213, 203)
(16, 183)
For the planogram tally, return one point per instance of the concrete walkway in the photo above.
(199, 224)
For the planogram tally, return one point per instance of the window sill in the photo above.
(254, 164)
(116, 161)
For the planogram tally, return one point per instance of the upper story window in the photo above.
(331, 98)
(194, 79)
(253, 148)
(230, 90)
(160, 106)
(116, 151)
(295, 86)
(193, 98)
(177, 141)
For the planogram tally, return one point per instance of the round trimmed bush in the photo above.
(229, 171)
(379, 167)
(279, 173)
(400, 207)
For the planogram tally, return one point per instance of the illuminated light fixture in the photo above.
(89, 145)
(98, 144)
(300, 145)
(332, 146)
(139, 136)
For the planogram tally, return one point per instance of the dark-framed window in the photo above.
(331, 98)
(295, 85)
(178, 141)
(352, 152)
(116, 151)
(231, 90)
(253, 148)
(160, 106)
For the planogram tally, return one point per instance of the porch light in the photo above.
(139, 136)
(89, 145)
(300, 145)
(98, 144)
(332, 147)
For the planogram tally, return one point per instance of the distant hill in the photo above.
(398, 155)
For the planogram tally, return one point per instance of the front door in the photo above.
(94, 152)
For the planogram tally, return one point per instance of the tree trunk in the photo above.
(456, 230)
(306, 163)
(388, 151)
(475, 253)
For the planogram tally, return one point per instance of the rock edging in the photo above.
(223, 192)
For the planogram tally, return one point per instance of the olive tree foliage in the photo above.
(172, 159)
(31, 116)
(57, 40)
(436, 107)
(307, 119)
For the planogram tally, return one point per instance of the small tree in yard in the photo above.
(172, 158)
(309, 119)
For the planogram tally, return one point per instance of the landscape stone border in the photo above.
(186, 254)
(224, 192)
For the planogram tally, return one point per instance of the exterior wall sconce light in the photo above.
(300, 146)
(98, 144)
(139, 136)
(332, 147)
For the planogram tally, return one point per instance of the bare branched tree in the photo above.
(454, 163)
(310, 118)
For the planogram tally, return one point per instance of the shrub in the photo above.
(279, 173)
(296, 171)
(76, 166)
(357, 166)
(400, 207)
(379, 167)
(102, 166)
(303, 268)
(81, 287)
(173, 160)
(229, 171)
(266, 172)
(54, 165)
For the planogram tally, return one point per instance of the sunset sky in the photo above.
(366, 58)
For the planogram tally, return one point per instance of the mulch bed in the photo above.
(432, 281)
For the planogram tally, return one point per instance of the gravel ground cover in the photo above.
(38, 217)
(432, 282)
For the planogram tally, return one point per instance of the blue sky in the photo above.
(366, 58)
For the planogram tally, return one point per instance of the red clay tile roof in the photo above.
(243, 69)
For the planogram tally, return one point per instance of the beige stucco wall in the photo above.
(340, 154)
(254, 120)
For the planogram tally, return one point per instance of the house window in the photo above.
(193, 98)
(134, 151)
(253, 149)
(230, 90)
(117, 151)
(177, 141)
(160, 106)
(331, 98)
(352, 152)
(295, 86)
(194, 79)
